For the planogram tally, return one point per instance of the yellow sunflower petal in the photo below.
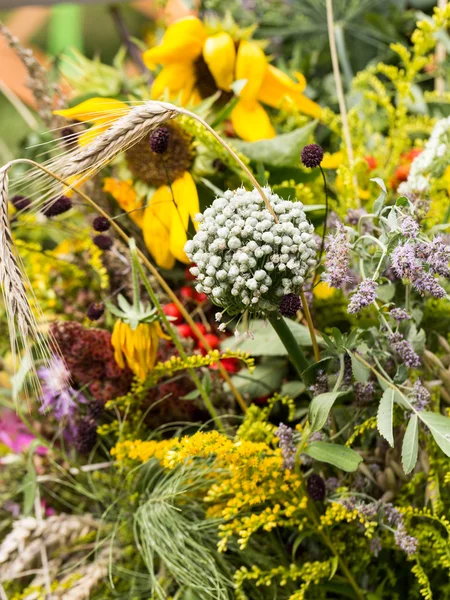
(219, 53)
(278, 90)
(116, 344)
(95, 109)
(154, 343)
(124, 193)
(251, 122)
(182, 41)
(176, 78)
(332, 161)
(251, 64)
(160, 332)
(186, 198)
(156, 226)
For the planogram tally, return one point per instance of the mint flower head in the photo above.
(244, 260)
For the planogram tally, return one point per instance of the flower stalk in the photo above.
(295, 353)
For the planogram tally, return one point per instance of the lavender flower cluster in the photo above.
(337, 260)
(404, 349)
(287, 445)
(420, 262)
(244, 260)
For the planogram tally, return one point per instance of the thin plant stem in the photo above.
(294, 351)
(340, 90)
(206, 399)
(325, 188)
(153, 270)
(439, 82)
(310, 323)
(232, 153)
(338, 383)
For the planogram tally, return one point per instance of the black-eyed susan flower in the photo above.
(198, 61)
(136, 347)
(155, 188)
(136, 336)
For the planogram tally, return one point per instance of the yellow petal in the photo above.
(176, 78)
(251, 122)
(95, 109)
(332, 161)
(153, 347)
(182, 41)
(322, 291)
(186, 198)
(278, 90)
(156, 226)
(116, 344)
(160, 332)
(251, 64)
(219, 53)
(124, 193)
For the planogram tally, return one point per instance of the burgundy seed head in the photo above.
(95, 311)
(57, 206)
(20, 202)
(104, 242)
(312, 155)
(289, 305)
(159, 140)
(100, 224)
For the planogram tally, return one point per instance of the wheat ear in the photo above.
(17, 305)
(123, 133)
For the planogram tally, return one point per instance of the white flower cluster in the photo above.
(431, 159)
(246, 261)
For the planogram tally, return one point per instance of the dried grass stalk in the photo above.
(21, 549)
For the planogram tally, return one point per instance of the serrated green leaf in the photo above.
(319, 409)
(340, 456)
(360, 371)
(281, 151)
(439, 427)
(385, 415)
(410, 446)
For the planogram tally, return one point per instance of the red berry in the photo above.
(200, 297)
(172, 310)
(202, 329)
(230, 364)
(184, 330)
(187, 293)
(212, 340)
(371, 162)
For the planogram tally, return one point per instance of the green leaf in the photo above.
(410, 446)
(439, 427)
(379, 202)
(292, 389)
(340, 456)
(265, 379)
(309, 375)
(334, 566)
(385, 415)
(319, 409)
(281, 151)
(265, 340)
(360, 371)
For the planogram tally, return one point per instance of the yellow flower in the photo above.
(124, 193)
(137, 347)
(166, 217)
(195, 65)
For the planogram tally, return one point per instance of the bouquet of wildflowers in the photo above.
(225, 369)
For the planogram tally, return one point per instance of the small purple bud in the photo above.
(104, 242)
(57, 206)
(100, 224)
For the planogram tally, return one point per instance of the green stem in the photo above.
(338, 383)
(295, 353)
(209, 405)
